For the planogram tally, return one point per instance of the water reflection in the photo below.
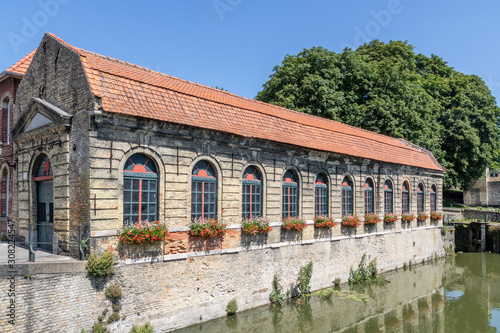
(461, 294)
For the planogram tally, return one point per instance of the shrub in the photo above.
(232, 307)
(324, 222)
(365, 273)
(143, 232)
(146, 328)
(115, 316)
(422, 217)
(276, 296)
(389, 218)
(113, 292)
(99, 328)
(208, 228)
(407, 217)
(256, 225)
(351, 221)
(336, 282)
(116, 307)
(294, 223)
(494, 229)
(304, 279)
(100, 266)
(372, 218)
(325, 294)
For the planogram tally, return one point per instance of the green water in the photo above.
(461, 294)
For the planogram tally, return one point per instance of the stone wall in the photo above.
(183, 289)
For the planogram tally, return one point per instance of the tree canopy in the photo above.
(389, 89)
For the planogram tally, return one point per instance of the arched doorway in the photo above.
(45, 203)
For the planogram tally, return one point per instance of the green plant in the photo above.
(276, 296)
(444, 231)
(494, 229)
(421, 217)
(304, 279)
(143, 232)
(146, 328)
(365, 273)
(325, 294)
(100, 266)
(100, 318)
(351, 221)
(372, 218)
(3, 237)
(99, 328)
(113, 292)
(256, 225)
(324, 222)
(208, 228)
(294, 223)
(389, 218)
(407, 217)
(115, 316)
(116, 307)
(232, 307)
(336, 282)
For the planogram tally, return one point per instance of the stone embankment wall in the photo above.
(178, 290)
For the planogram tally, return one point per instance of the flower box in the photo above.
(257, 225)
(421, 217)
(209, 228)
(389, 218)
(351, 221)
(435, 216)
(324, 222)
(294, 223)
(371, 219)
(143, 232)
(407, 217)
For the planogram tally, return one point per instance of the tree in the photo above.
(389, 89)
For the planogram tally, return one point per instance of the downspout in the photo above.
(7, 196)
(8, 122)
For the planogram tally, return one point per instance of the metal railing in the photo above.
(32, 253)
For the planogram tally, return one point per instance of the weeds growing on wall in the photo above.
(146, 328)
(232, 307)
(304, 279)
(276, 296)
(100, 266)
(366, 273)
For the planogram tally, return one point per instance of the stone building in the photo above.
(9, 81)
(100, 142)
(484, 191)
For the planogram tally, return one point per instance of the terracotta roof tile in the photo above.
(22, 65)
(134, 90)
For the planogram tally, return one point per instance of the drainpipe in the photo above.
(7, 197)
(8, 122)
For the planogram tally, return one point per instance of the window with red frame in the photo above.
(388, 197)
(203, 191)
(321, 196)
(252, 193)
(290, 197)
(346, 197)
(405, 198)
(420, 198)
(140, 190)
(368, 196)
(433, 198)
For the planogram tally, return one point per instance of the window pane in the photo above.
(126, 196)
(135, 208)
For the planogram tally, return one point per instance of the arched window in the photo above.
(203, 192)
(290, 200)
(5, 120)
(433, 198)
(368, 196)
(252, 193)
(420, 198)
(346, 197)
(140, 190)
(321, 196)
(405, 198)
(388, 197)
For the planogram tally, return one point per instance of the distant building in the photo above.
(484, 191)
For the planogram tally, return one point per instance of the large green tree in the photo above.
(389, 89)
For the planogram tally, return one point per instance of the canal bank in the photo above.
(175, 291)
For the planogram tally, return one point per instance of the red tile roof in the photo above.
(133, 90)
(22, 65)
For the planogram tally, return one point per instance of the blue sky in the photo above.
(235, 44)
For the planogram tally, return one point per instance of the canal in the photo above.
(460, 294)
